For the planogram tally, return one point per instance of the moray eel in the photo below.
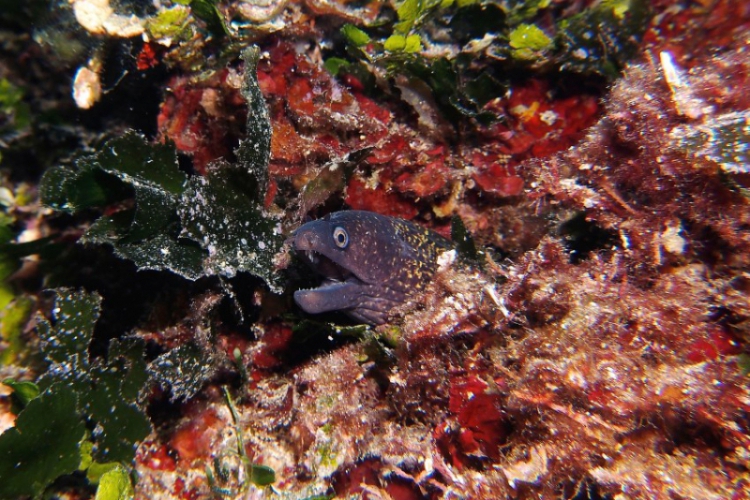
(370, 263)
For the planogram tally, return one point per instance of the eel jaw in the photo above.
(340, 289)
(324, 266)
(330, 296)
(351, 297)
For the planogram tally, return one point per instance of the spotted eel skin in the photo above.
(370, 263)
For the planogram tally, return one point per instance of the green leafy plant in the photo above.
(107, 392)
(355, 36)
(206, 11)
(43, 445)
(147, 233)
(527, 40)
(194, 227)
(77, 393)
(115, 484)
(172, 23)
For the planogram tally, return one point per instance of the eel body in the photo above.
(370, 263)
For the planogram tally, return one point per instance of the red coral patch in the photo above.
(203, 118)
(155, 457)
(193, 440)
(275, 340)
(361, 197)
(717, 343)
(479, 426)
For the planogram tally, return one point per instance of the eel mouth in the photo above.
(340, 288)
(330, 270)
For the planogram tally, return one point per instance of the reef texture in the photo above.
(608, 370)
(596, 348)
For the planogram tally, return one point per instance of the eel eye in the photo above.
(341, 237)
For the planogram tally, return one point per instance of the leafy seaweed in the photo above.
(354, 35)
(23, 393)
(219, 210)
(408, 43)
(223, 211)
(65, 343)
(107, 393)
(125, 167)
(182, 370)
(162, 252)
(71, 190)
(43, 445)
(207, 11)
(412, 13)
(335, 64)
(114, 485)
(122, 422)
(50, 437)
(527, 40)
(254, 151)
(201, 226)
(172, 23)
(152, 172)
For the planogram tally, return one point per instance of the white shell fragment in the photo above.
(685, 101)
(87, 88)
(98, 17)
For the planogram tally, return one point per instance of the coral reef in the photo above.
(587, 338)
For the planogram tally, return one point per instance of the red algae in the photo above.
(194, 440)
(276, 339)
(361, 196)
(155, 457)
(203, 117)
